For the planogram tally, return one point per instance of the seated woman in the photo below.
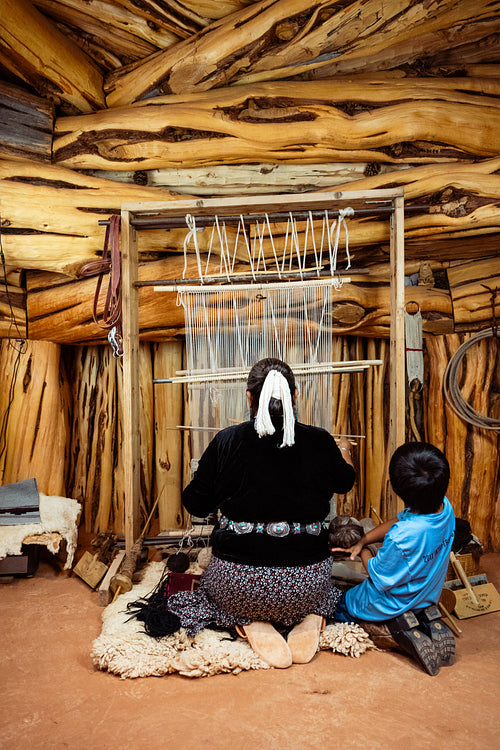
(272, 479)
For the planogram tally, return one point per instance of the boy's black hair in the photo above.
(419, 474)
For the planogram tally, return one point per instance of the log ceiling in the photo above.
(111, 101)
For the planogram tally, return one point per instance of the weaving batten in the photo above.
(334, 368)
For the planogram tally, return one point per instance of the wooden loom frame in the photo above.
(135, 215)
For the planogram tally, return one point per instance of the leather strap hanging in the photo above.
(111, 316)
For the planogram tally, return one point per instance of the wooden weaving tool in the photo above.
(90, 569)
(122, 581)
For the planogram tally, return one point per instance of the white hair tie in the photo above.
(276, 386)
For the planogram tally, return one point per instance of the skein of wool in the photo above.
(204, 556)
(178, 563)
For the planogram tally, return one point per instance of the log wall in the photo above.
(67, 399)
(112, 101)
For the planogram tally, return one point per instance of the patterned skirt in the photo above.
(234, 594)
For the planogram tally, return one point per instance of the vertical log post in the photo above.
(130, 400)
(397, 350)
(35, 407)
(168, 440)
(376, 463)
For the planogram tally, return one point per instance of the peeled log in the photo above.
(50, 215)
(181, 18)
(415, 52)
(12, 305)
(118, 30)
(60, 308)
(399, 121)
(96, 460)
(32, 48)
(472, 452)
(37, 421)
(250, 179)
(251, 43)
(26, 123)
(472, 288)
(205, 8)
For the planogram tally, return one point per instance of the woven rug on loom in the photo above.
(123, 647)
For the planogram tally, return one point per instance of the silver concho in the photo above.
(242, 527)
(278, 528)
(313, 528)
(224, 522)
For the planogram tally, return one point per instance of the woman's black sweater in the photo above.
(252, 479)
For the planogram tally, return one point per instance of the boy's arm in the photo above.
(365, 555)
(374, 535)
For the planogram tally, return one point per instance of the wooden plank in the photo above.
(227, 206)
(104, 591)
(487, 597)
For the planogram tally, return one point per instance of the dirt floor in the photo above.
(52, 696)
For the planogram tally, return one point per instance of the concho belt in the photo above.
(274, 528)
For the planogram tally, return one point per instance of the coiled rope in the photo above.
(452, 391)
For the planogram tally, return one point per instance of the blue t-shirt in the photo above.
(409, 569)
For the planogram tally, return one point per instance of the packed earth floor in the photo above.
(54, 698)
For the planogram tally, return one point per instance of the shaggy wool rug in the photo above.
(58, 514)
(124, 648)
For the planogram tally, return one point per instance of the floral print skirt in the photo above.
(234, 594)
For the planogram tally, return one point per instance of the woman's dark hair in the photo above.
(420, 474)
(256, 378)
(344, 531)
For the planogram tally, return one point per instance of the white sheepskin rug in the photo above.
(58, 514)
(124, 649)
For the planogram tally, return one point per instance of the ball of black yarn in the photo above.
(178, 563)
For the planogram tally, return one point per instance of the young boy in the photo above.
(406, 576)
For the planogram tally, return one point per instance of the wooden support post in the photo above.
(397, 347)
(130, 400)
(168, 407)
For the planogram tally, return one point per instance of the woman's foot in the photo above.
(267, 643)
(303, 639)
